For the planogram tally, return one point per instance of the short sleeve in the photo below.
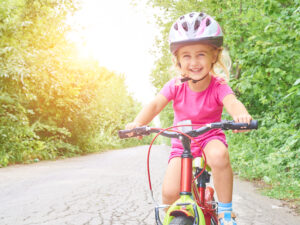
(169, 90)
(222, 91)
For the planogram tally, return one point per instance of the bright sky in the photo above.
(120, 36)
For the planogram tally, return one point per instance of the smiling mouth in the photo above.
(195, 70)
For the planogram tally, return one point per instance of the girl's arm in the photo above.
(147, 114)
(236, 109)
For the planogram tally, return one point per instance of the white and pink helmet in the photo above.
(195, 27)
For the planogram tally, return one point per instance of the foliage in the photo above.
(263, 40)
(53, 103)
(270, 154)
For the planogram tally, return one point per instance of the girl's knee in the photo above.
(169, 195)
(217, 155)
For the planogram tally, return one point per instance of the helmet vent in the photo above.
(201, 14)
(182, 17)
(197, 24)
(207, 22)
(185, 26)
(176, 26)
(192, 14)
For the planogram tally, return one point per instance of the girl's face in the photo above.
(196, 60)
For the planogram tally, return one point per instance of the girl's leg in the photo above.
(218, 159)
(171, 184)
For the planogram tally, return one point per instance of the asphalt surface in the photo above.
(109, 188)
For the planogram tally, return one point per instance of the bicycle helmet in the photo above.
(195, 27)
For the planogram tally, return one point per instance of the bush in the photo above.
(271, 154)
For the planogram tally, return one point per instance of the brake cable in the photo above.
(150, 146)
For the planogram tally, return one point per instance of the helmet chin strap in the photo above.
(194, 81)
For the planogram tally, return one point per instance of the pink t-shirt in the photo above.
(199, 107)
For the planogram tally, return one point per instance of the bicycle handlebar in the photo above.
(224, 125)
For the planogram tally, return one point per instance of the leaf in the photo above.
(297, 82)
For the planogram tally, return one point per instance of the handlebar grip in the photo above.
(244, 126)
(135, 132)
(253, 124)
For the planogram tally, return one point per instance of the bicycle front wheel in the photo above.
(181, 220)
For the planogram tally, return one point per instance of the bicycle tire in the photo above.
(213, 222)
(181, 220)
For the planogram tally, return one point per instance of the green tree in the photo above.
(53, 103)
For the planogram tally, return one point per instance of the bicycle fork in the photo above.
(206, 193)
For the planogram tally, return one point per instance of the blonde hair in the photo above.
(220, 68)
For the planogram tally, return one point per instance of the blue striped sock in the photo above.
(222, 207)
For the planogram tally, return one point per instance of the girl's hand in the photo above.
(237, 110)
(246, 118)
(133, 125)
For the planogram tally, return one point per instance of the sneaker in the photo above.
(226, 218)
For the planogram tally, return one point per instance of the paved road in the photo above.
(108, 189)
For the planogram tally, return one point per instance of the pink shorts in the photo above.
(196, 151)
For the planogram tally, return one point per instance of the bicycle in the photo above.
(196, 205)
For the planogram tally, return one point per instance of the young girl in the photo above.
(195, 41)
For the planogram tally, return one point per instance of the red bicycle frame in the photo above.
(205, 200)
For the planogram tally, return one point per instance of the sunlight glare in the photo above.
(120, 36)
